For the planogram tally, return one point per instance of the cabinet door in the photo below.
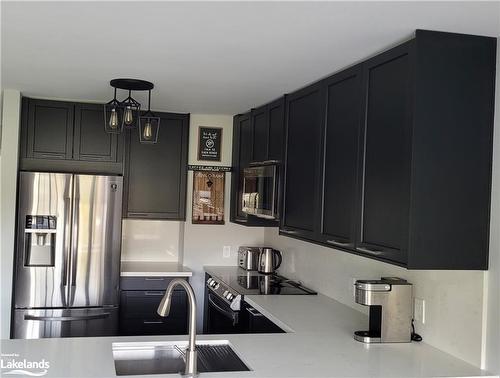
(384, 225)
(237, 215)
(341, 151)
(260, 126)
(276, 111)
(305, 115)
(91, 141)
(246, 141)
(156, 173)
(49, 127)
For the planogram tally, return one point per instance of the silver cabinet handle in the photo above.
(256, 163)
(154, 293)
(66, 318)
(292, 232)
(154, 279)
(338, 243)
(152, 322)
(375, 252)
(253, 311)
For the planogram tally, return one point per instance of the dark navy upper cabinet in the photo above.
(68, 137)
(385, 184)
(391, 159)
(343, 125)
(426, 178)
(91, 142)
(156, 174)
(260, 124)
(303, 162)
(48, 129)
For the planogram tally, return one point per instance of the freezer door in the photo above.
(43, 240)
(38, 324)
(96, 240)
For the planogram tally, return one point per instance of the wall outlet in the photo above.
(419, 310)
(226, 251)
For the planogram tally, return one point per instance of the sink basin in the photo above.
(140, 358)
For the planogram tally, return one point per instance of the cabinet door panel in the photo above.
(342, 136)
(50, 129)
(260, 133)
(303, 161)
(156, 174)
(246, 142)
(384, 228)
(276, 130)
(92, 142)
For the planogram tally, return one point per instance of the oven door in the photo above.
(220, 318)
(259, 191)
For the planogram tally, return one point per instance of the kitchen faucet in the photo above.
(164, 309)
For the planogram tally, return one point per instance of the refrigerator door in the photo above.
(37, 324)
(43, 240)
(96, 241)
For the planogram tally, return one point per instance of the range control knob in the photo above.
(230, 297)
(209, 280)
(216, 285)
(225, 293)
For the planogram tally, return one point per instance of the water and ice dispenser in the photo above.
(40, 240)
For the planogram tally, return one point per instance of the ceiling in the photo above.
(209, 57)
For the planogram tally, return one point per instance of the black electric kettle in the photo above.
(269, 260)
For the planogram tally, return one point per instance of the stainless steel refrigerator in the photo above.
(67, 261)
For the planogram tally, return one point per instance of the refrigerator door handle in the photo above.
(66, 318)
(67, 240)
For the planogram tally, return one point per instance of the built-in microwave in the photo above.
(260, 191)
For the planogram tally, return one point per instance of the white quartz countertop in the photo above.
(319, 344)
(153, 269)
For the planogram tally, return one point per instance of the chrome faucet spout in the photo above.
(164, 310)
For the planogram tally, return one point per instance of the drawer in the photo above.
(154, 326)
(141, 304)
(146, 283)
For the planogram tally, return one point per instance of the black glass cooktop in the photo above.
(270, 284)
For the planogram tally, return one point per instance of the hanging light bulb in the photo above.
(113, 116)
(113, 119)
(148, 125)
(128, 117)
(148, 130)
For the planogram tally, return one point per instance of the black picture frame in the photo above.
(209, 143)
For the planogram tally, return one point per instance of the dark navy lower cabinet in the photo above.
(139, 304)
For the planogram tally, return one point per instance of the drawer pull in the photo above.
(375, 252)
(154, 293)
(152, 322)
(338, 243)
(291, 232)
(154, 279)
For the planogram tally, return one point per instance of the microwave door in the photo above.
(43, 240)
(96, 241)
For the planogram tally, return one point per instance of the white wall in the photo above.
(492, 330)
(203, 243)
(8, 182)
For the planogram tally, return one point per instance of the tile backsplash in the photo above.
(152, 240)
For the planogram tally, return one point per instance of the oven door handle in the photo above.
(228, 314)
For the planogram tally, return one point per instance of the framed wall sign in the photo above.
(209, 143)
(208, 197)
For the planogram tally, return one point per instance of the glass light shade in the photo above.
(149, 128)
(113, 114)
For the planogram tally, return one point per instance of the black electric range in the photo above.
(225, 287)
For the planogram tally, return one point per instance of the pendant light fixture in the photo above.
(113, 116)
(126, 113)
(149, 125)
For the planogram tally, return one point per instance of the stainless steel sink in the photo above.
(168, 357)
